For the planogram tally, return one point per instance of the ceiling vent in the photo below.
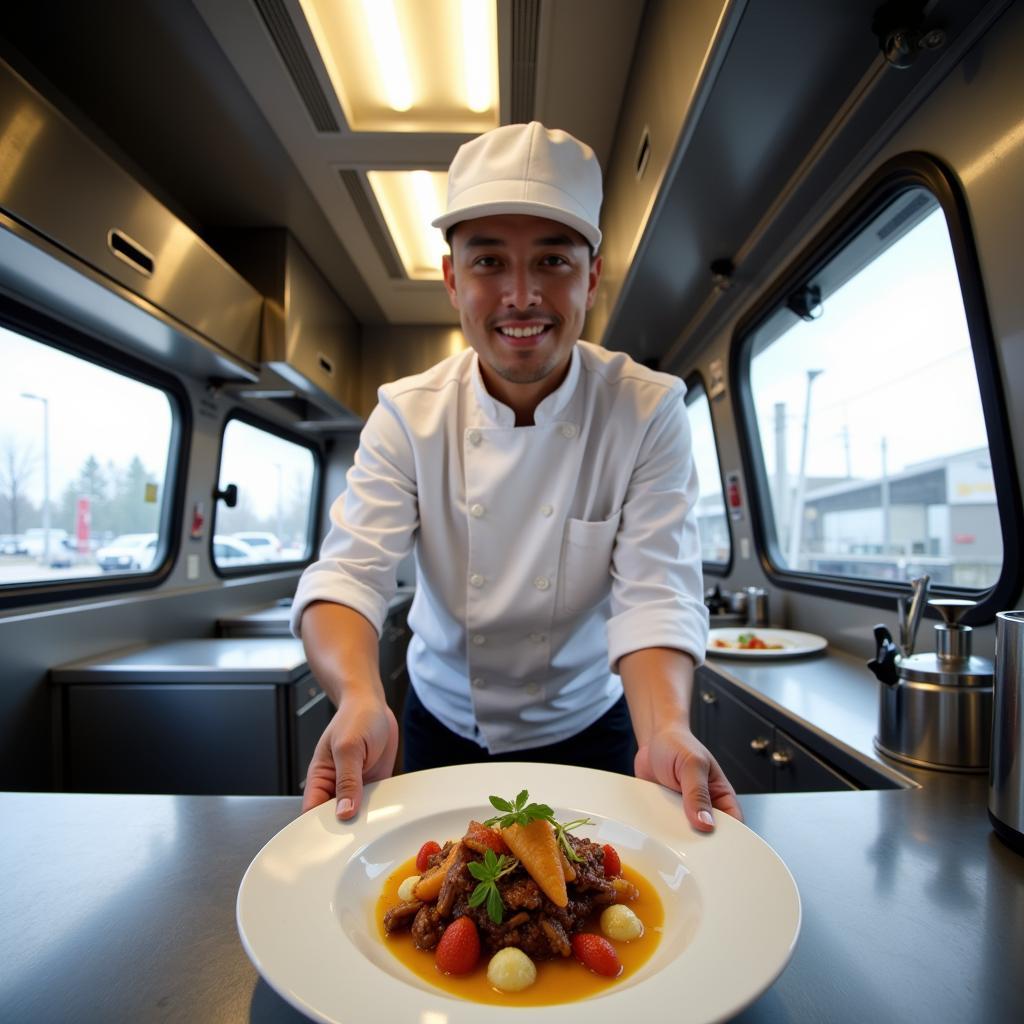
(289, 46)
(525, 21)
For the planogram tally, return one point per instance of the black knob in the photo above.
(884, 662)
(229, 495)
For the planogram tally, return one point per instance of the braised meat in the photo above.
(531, 921)
(427, 927)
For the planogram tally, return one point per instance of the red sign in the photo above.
(964, 538)
(83, 520)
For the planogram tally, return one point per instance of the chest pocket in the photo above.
(585, 572)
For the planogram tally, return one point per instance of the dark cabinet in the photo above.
(230, 716)
(756, 755)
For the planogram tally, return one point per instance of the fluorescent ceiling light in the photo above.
(409, 200)
(392, 63)
(410, 65)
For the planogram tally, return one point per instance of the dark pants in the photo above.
(608, 744)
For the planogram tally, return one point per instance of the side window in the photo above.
(86, 456)
(712, 518)
(276, 480)
(865, 411)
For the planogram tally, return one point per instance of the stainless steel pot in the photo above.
(935, 710)
(1006, 774)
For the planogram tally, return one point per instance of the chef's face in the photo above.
(522, 286)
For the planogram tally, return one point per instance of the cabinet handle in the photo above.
(780, 758)
(708, 698)
(759, 744)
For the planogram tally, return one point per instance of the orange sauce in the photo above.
(562, 980)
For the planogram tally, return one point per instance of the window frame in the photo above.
(722, 569)
(900, 174)
(313, 522)
(46, 330)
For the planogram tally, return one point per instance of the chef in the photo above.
(546, 487)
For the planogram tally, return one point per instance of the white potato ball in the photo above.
(619, 922)
(511, 970)
(406, 888)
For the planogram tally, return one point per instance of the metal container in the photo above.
(1006, 772)
(757, 606)
(935, 710)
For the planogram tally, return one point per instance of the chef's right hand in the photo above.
(359, 745)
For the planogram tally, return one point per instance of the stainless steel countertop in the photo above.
(271, 660)
(275, 619)
(123, 907)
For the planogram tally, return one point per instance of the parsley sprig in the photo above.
(520, 812)
(487, 872)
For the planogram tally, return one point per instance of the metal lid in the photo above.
(930, 668)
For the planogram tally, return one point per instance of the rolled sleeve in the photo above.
(657, 580)
(373, 524)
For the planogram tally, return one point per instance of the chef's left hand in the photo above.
(675, 758)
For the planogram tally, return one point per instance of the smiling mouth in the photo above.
(523, 335)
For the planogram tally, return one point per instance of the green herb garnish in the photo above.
(487, 873)
(522, 813)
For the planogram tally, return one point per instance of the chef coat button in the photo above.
(476, 511)
(473, 436)
(539, 638)
(533, 689)
(476, 580)
(542, 583)
(478, 683)
(568, 430)
(546, 510)
(479, 639)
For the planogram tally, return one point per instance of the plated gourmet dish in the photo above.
(746, 642)
(518, 909)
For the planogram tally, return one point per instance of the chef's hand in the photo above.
(674, 757)
(358, 745)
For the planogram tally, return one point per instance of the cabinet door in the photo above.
(174, 738)
(797, 770)
(739, 739)
(312, 716)
(394, 641)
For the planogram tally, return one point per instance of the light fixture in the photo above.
(476, 65)
(409, 201)
(410, 65)
(392, 64)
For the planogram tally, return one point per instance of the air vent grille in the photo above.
(525, 19)
(374, 224)
(282, 31)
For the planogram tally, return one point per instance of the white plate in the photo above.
(792, 640)
(306, 903)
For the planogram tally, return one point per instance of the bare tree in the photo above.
(17, 466)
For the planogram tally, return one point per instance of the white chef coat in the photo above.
(543, 553)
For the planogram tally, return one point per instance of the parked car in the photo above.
(12, 544)
(265, 546)
(229, 551)
(129, 552)
(60, 543)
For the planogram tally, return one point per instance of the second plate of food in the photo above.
(758, 642)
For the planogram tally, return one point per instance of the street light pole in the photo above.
(797, 513)
(46, 472)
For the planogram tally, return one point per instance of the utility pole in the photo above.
(797, 515)
(46, 471)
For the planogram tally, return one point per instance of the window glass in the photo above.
(84, 461)
(711, 514)
(869, 413)
(272, 520)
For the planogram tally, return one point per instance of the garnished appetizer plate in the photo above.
(307, 905)
(762, 642)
